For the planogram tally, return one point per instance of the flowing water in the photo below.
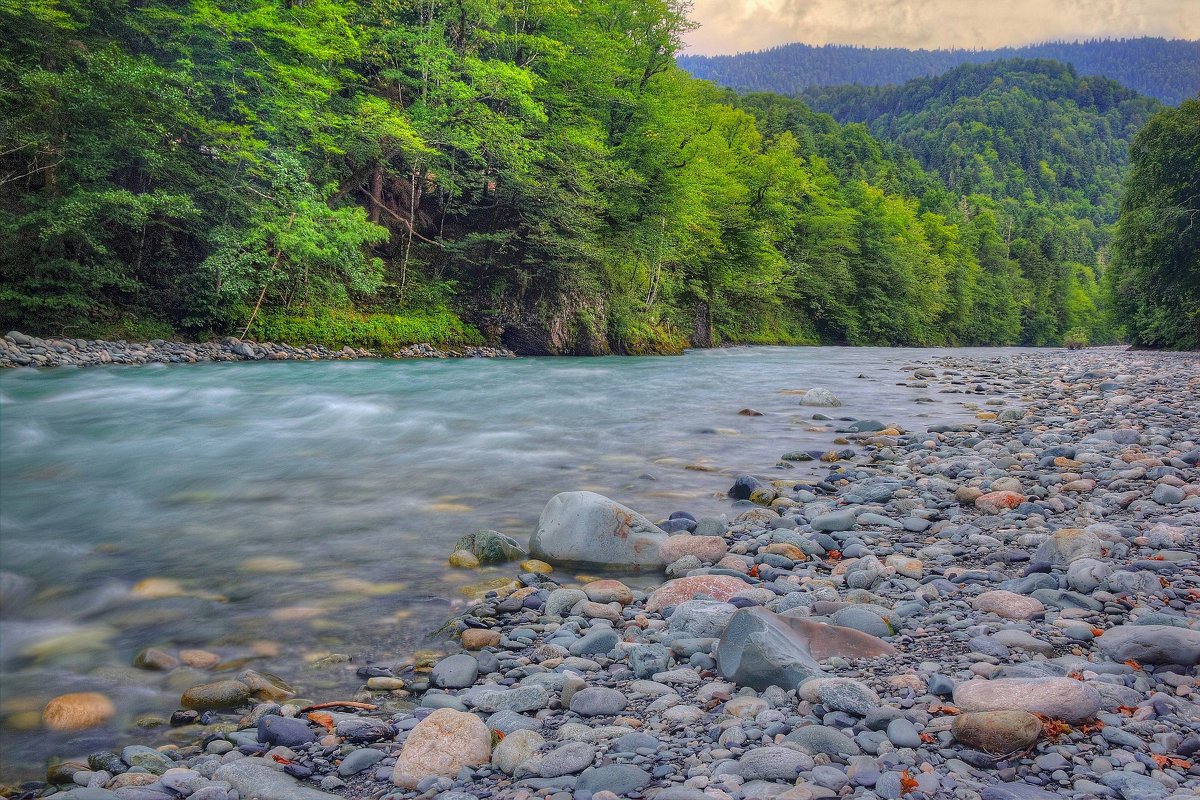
(276, 513)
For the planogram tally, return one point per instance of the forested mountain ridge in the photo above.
(542, 176)
(1166, 69)
(1006, 128)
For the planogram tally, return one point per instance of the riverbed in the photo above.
(280, 513)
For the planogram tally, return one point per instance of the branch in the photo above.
(411, 228)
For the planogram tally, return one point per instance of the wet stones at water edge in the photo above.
(872, 631)
(21, 350)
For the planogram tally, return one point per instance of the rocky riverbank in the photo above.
(1006, 610)
(21, 350)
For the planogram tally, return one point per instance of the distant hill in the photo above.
(1010, 128)
(1168, 70)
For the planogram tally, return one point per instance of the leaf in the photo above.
(1088, 728)
(280, 759)
(940, 708)
(928, 738)
(1132, 663)
(1127, 710)
(1171, 761)
(1053, 728)
(907, 783)
(322, 719)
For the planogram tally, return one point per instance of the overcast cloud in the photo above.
(730, 26)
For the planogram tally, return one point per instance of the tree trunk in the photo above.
(702, 326)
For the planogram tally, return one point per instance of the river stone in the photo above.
(836, 520)
(709, 549)
(286, 731)
(589, 530)
(820, 398)
(359, 760)
(515, 749)
(680, 590)
(997, 732)
(773, 764)
(560, 602)
(442, 744)
(479, 638)
(997, 502)
(1152, 644)
(490, 699)
(620, 779)
(491, 547)
(595, 642)
(1062, 698)
(1009, 605)
(700, 619)
(817, 739)
(255, 778)
(77, 711)
(841, 694)
(1134, 787)
(1067, 545)
(147, 758)
(455, 672)
(761, 649)
(216, 695)
(598, 701)
(608, 591)
(567, 759)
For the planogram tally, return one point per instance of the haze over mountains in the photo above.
(1166, 69)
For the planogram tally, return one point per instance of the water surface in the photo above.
(285, 511)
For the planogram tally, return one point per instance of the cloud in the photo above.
(730, 26)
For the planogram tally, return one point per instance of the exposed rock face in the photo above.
(589, 530)
(442, 744)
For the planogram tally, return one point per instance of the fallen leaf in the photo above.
(1133, 664)
(322, 719)
(1126, 710)
(280, 759)
(835, 555)
(1053, 728)
(1097, 631)
(1171, 761)
(907, 783)
(1088, 728)
(928, 738)
(938, 708)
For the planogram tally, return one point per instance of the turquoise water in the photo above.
(286, 511)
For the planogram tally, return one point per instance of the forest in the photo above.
(541, 175)
(1165, 69)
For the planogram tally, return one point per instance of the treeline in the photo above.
(312, 170)
(1157, 283)
(1166, 69)
(1048, 147)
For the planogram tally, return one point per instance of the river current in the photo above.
(278, 513)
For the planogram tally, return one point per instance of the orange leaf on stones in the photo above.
(77, 711)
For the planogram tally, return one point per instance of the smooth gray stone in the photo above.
(254, 778)
(455, 672)
(359, 760)
(620, 779)
(589, 530)
(1151, 644)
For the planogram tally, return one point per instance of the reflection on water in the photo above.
(281, 512)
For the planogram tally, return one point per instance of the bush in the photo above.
(336, 328)
(1075, 339)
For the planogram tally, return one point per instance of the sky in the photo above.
(731, 26)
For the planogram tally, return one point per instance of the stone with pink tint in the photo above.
(672, 593)
(709, 549)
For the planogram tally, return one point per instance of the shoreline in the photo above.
(560, 659)
(21, 350)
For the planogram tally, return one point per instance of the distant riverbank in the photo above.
(21, 350)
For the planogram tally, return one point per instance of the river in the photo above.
(276, 513)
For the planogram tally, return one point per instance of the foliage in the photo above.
(1160, 68)
(382, 332)
(376, 172)
(1157, 285)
